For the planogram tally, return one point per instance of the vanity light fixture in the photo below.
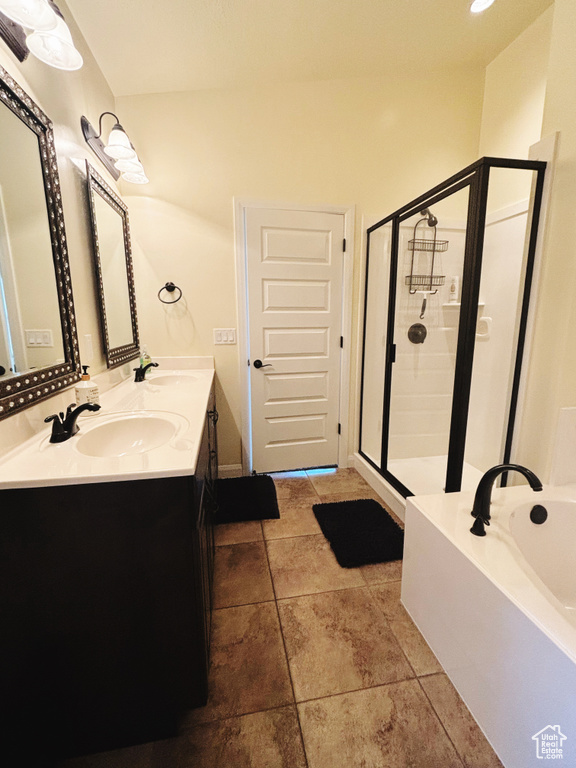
(34, 14)
(48, 37)
(118, 156)
(480, 5)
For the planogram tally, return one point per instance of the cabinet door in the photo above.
(204, 538)
(205, 563)
(101, 644)
(212, 476)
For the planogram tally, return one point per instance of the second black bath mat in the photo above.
(360, 532)
(252, 497)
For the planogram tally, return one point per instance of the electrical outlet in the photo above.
(224, 335)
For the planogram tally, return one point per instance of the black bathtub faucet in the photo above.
(481, 507)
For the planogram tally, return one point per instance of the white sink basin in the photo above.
(172, 380)
(129, 434)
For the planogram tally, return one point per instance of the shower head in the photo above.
(432, 220)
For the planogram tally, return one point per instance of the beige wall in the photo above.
(514, 93)
(64, 97)
(552, 375)
(512, 120)
(369, 142)
(513, 109)
(517, 110)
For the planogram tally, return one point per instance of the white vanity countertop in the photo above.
(37, 462)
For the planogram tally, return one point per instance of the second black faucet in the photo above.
(140, 373)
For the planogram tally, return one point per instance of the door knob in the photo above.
(260, 364)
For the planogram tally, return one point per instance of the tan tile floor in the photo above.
(312, 665)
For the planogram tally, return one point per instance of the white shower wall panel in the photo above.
(423, 374)
(428, 420)
(432, 375)
(417, 446)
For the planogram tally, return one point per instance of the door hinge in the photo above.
(339, 429)
(341, 342)
(344, 245)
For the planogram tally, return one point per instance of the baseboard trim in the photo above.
(230, 470)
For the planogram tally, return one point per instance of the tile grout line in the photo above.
(286, 654)
(298, 536)
(359, 690)
(276, 600)
(246, 713)
(388, 622)
(415, 678)
(243, 605)
(329, 591)
(429, 700)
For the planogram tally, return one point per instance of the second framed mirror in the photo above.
(114, 270)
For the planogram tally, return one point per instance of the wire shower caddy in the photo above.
(430, 282)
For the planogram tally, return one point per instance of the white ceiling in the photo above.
(146, 46)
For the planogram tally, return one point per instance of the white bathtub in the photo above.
(549, 549)
(500, 614)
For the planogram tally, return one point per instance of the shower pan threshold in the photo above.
(425, 475)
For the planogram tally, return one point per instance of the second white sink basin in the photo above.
(172, 380)
(129, 434)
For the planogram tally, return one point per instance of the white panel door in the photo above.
(294, 284)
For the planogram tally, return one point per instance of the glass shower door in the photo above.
(431, 246)
(501, 317)
(445, 323)
(375, 342)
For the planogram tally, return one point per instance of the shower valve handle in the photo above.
(423, 310)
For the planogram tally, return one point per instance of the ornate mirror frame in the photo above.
(26, 389)
(98, 186)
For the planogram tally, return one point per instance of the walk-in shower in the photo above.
(447, 291)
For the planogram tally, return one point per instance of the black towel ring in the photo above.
(170, 287)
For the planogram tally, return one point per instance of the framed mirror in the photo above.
(114, 271)
(38, 340)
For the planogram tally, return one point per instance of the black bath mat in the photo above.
(252, 497)
(360, 532)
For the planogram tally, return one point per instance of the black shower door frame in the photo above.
(476, 177)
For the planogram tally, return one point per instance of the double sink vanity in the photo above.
(106, 545)
(106, 556)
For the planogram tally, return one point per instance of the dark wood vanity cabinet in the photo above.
(105, 601)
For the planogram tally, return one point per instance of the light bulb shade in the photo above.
(129, 166)
(135, 178)
(56, 47)
(480, 5)
(119, 146)
(34, 14)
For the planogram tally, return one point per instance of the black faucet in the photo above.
(63, 427)
(481, 507)
(140, 373)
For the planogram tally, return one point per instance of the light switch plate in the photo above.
(39, 338)
(224, 335)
